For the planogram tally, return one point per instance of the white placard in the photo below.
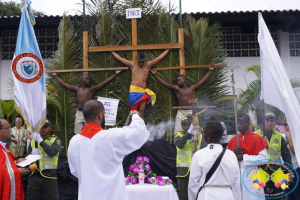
(132, 13)
(111, 110)
(29, 159)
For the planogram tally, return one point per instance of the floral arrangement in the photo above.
(142, 170)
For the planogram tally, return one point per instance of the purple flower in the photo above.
(131, 168)
(169, 180)
(159, 178)
(140, 167)
(134, 181)
(150, 180)
(139, 159)
(148, 168)
(128, 179)
(146, 159)
(161, 183)
(134, 170)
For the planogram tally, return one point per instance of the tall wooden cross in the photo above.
(134, 47)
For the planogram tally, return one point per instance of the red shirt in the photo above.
(89, 130)
(251, 145)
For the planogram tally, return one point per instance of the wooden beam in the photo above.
(135, 47)
(85, 70)
(181, 50)
(85, 51)
(191, 107)
(134, 36)
(188, 67)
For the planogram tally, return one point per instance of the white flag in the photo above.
(276, 87)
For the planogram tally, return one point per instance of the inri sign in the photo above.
(133, 13)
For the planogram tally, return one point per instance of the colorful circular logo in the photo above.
(270, 179)
(27, 67)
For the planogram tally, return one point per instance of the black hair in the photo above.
(245, 116)
(214, 128)
(91, 109)
(141, 56)
(182, 76)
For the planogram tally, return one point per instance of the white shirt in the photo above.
(97, 162)
(227, 174)
(3, 144)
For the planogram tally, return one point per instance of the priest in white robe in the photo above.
(95, 155)
(225, 182)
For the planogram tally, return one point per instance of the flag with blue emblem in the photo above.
(28, 73)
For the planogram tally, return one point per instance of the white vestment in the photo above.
(224, 184)
(97, 162)
(248, 160)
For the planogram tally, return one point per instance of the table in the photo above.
(151, 192)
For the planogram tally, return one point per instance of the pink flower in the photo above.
(140, 167)
(150, 180)
(146, 159)
(128, 179)
(159, 178)
(139, 159)
(134, 181)
(131, 168)
(148, 168)
(169, 180)
(161, 183)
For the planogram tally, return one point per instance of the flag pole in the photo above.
(232, 67)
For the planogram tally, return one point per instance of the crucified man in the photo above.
(183, 93)
(139, 94)
(84, 94)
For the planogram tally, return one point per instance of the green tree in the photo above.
(12, 8)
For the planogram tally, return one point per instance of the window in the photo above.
(294, 43)
(46, 38)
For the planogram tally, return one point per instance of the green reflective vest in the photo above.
(46, 162)
(274, 150)
(184, 156)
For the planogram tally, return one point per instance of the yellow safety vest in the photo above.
(274, 150)
(184, 156)
(46, 162)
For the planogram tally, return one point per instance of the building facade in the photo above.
(240, 31)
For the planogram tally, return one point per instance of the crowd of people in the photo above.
(209, 172)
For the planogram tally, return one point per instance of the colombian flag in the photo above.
(138, 94)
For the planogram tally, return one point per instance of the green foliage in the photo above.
(8, 111)
(68, 56)
(12, 8)
(106, 24)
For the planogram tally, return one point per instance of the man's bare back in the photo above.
(139, 75)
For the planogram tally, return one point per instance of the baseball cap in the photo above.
(270, 115)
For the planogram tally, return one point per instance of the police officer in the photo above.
(277, 148)
(44, 179)
(184, 143)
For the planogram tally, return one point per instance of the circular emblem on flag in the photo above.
(27, 67)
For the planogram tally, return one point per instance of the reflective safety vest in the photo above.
(274, 150)
(46, 162)
(184, 156)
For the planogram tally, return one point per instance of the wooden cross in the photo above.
(134, 48)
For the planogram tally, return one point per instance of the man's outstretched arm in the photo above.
(205, 78)
(122, 60)
(161, 81)
(99, 86)
(66, 85)
(156, 60)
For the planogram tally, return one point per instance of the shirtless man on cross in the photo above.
(139, 94)
(183, 93)
(84, 94)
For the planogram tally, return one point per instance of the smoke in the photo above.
(158, 131)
